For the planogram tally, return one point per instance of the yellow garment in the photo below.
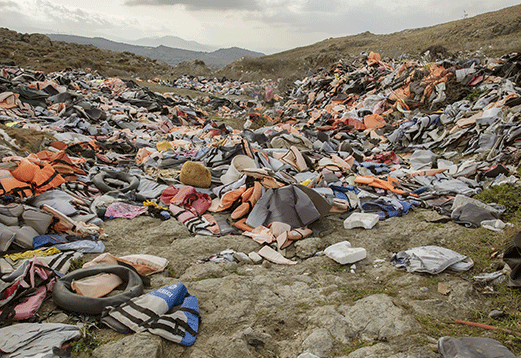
(164, 145)
(154, 204)
(306, 182)
(31, 253)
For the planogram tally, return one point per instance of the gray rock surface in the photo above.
(377, 317)
(308, 247)
(328, 317)
(307, 355)
(138, 345)
(319, 342)
(386, 350)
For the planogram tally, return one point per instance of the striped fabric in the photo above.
(155, 312)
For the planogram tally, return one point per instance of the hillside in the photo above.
(38, 52)
(493, 33)
(169, 55)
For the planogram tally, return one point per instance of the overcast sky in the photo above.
(260, 25)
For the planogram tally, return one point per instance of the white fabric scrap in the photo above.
(433, 260)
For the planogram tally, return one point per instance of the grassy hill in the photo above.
(493, 34)
(38, 52)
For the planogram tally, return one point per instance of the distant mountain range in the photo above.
(155, 49)
(174, 42)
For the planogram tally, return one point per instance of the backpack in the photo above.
(26, 289)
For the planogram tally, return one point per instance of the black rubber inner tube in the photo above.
(99, 181)
(64, 297)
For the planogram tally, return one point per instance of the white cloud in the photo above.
(8, 4)
(199, 4)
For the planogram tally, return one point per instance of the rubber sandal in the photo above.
(300, 233)
(271, 255)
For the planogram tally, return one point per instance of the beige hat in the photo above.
(239, 162)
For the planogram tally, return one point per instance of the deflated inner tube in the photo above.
(64, 297)
(99, 181)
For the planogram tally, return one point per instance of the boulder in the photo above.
(307, 248)
(319, 342)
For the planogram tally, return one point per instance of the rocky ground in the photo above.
(318, 306)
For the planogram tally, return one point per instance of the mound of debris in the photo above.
(269, 225)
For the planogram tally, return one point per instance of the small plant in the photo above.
(345, 349)
(336, 268)
(303, 306)
(76, 264)
(429, 227)
(171, 272)
(475, 94)
(86, 344)
(353, 294)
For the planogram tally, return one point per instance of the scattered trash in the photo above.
(512, 257)
(493, 278)
(444, 288)
(431, 259)
(343, 253)
(495, 314)
(450, 347)
(367, 221)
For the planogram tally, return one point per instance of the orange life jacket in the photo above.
(61, 162)
(9, 185)
(40, 177)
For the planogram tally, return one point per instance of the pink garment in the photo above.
(124, 210)
(269, 93)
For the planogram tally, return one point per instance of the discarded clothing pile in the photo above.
(379, 138)
(382, 138)
(225, 87)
